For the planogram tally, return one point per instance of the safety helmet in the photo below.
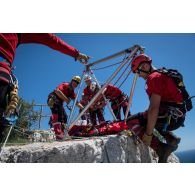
(138, 60)
(77, 79)
(93, 86)
(87, 78)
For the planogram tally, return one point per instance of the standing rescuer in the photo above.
(63, 93)
(8, 83)
(169, 102)
(97, 109)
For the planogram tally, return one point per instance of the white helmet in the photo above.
(87, 78)
(93, 86)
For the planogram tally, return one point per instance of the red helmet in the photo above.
(139, 59)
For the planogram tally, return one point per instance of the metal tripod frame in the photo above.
(132, 52)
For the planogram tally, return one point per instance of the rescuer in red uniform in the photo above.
(63, 93)
(8, 82)
(167, 108)
(117, 99)
(97, 108)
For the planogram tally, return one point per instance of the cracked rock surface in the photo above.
(107, 149)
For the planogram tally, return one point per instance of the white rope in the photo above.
(2, 148)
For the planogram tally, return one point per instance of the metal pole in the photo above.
(41, 110)
(129, 50)
(40, 113)
(79, 87)
(11, 127)
(2, 148)
(107, 104)
(136, 48)
(131, 95)
(39, 105)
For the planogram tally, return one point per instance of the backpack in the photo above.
(178, 79)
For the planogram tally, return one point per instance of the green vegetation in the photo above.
(27, 119)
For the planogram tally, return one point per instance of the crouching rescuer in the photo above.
(63, 93)
(169, 102)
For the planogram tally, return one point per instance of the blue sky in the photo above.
(40, 69)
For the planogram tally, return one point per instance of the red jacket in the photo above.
(67, 91)
(112, 92)
(164, 86)
(9, 42)
(88, 95)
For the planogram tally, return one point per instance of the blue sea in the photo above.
(186, 156)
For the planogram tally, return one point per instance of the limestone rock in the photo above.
(105, 149)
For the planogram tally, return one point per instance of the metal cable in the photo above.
(106, 66)
(121, 75)
(125, 79)
(109, 65)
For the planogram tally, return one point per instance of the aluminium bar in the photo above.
(129, 50)
(79, 88)
(107, 104)
(5, 142)
(39, 105)
(131, 95)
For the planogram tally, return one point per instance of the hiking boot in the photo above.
(163, 152)
(172, 139)
(59, 137)
(59, 131)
